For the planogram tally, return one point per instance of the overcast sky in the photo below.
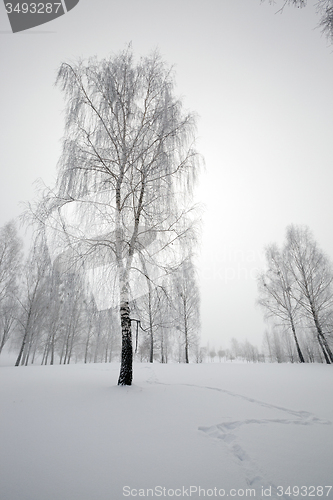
(261, 84)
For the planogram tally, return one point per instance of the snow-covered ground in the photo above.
(207, 430)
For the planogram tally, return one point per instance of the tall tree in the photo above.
(126, 172)
(313, 277)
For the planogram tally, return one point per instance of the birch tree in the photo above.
(273, 345)
(126, 173)
(34, 298)
(187, 304)
(313, 277)
(155, 311)
(276, 295)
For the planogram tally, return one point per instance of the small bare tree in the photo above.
(186, 299)
(273, 345)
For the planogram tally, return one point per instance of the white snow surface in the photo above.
(198, 430)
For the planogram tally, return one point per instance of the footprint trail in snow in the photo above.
(227, 432)
(252, 471)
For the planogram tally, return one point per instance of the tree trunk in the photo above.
(22, 348)
(24, 341)
(52, 353)
(186, 346)
(185, 329)
(71, 345)
(327, 347)
(321, 339)
(151, 357)
(162, 346)
(87, 347)
(97, 343)
(6, 334)
(327, 359)
(299, 352)
(125, 376)
(3, 340)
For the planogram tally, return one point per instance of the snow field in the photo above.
(70, 433)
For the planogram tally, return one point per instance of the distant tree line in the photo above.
(243, 351)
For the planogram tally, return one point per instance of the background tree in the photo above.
(236, 348)
(212, 354)
(221, 354)
(33, 299)
(313, 281)
(250, 352)
(10, 266)
(275, 293)
(73, 319)
(154, 314)
(126, 172)
(165, 319)
(8, 318)
(186, 299)
(273, 346)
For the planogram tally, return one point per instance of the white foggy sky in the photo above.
(261, 84)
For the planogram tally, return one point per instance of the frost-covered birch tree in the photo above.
(276, 295)
(125, 176)
(187, 307)
(313, 276)
(34, 299)
(297, 290)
